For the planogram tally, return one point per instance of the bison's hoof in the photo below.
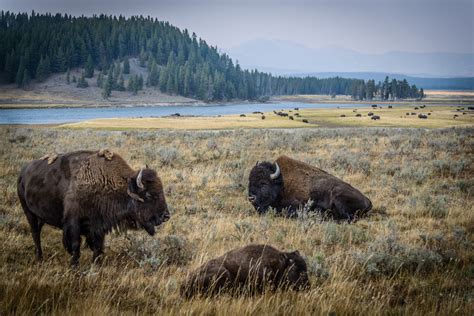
(106, 153)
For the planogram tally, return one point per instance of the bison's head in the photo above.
(148, 202)
(297, 271)
(265, 185)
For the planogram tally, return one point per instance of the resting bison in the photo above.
(288, 184)
(89, 193)
(252, 268)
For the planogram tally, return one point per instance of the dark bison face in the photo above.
(265, 185)
(297, 273)
(148, 204)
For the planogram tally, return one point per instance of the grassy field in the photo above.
(412, 255)
(439, 116)
(439, 97)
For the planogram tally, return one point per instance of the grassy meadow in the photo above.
(438, 116)
(412, 255)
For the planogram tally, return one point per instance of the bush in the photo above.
(168, 155)
(169, 250)
(386, 256)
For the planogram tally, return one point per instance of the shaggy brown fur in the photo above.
(252, 268)
(298, 183)
(89, 193)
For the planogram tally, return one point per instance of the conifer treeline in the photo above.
(36, 45)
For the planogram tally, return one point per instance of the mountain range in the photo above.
(433, 70)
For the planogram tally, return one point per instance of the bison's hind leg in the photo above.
(36, 224)
(207, 282)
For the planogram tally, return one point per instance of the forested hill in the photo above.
(34, 46)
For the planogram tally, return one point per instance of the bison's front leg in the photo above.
(72, 238)
(96, 244)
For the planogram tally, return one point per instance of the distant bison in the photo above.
(422, 116)
(375, 117)
(263, 117)
(250, 269)
(416, 108)
(374, 105)
(343, 115)
(370, 114)
(297, 109)
(89, 193)
(390, 107)
(291, 118)
(289, 184)
(305, 121)
(358, 115)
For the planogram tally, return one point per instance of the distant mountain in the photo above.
(296, 58)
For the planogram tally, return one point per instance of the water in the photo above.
(66, 115)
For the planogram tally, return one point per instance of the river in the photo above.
(66, 115)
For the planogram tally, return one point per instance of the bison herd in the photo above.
(89, 193)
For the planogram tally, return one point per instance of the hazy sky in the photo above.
(373, 26)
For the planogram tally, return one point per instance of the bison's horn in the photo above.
(139, 179)
(275, 175)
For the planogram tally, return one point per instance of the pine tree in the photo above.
(108, 84)
(121, 83)
(139, 82)
(89, 69)
(126, 66)
(131, 84)
(43, 70)
(26, 79)
(20, 73)
(68, 76)
(82, 83)
(154, 77)
(100, 80)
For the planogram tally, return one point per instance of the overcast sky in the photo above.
(372, 26)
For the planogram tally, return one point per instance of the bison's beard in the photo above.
(150, 229)
(136, 225)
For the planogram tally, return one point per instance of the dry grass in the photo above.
(412, 255)
(440, 116)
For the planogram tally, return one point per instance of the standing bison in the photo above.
(252, 268)
(288, 184)
(88, 193)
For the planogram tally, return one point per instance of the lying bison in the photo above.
(88, 193)
(250, 269)
(289, 184)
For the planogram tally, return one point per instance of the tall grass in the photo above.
(412, 254)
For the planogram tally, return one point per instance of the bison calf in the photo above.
(250, 269)
(289, 184)
(88, 193)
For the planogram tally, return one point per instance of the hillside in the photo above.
(36, 46)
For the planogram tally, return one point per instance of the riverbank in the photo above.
(56, 93)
